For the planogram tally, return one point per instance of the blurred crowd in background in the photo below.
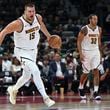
(62, 17)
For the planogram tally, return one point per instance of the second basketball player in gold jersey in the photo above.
(89, 43)
(26, 38)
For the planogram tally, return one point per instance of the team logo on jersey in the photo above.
(93, 35)
(32, 29)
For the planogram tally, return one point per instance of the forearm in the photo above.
(101, 51)
(2, 36)
(79, 47)
(45, 31)
(100, 43)
(43, 27)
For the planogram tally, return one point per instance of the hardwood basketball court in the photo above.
(68, 103)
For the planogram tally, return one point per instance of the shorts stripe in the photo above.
(85, 67)
(26, 59)
(98, 65)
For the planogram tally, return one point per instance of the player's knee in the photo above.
(34, 69)
(96, 70)
(26, 72)
(28, 76)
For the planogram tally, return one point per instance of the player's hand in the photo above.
(102, 77)
(81, 57)
(48, 38)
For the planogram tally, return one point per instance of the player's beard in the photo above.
(31, 18)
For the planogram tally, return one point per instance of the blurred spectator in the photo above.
(6, 73)
(45, 75)
(51, 55)
(58, 29)
(72, 72)
(107, 23)
(106, 49)
(59, 73)
(6, 63)
(45, 68)
(16, 69)
(69, 26)
(105, 78)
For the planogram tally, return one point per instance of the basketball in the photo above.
(55, 42)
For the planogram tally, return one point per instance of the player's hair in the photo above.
(90, 17)
(29, 5)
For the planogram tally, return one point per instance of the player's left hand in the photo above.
(102, 77)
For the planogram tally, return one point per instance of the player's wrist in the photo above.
(48, 38)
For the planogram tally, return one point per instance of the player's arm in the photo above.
(99, 41)
(79, 40)
(81, 35)
(11, 27)
(100, 36)
(43, 27)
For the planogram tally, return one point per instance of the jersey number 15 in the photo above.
(32, 36)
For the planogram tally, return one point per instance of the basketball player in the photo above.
(26, 38)
(89, 43)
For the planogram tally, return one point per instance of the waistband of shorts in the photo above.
(91, 50)
(24, 49)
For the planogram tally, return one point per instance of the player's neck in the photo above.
(28, 20)
(92, 26)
